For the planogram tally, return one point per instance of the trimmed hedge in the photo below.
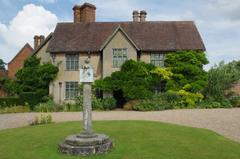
(32, 98)
(11, 101)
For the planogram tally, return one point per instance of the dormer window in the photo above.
(157, 59)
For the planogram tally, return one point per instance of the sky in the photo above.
(218, 21)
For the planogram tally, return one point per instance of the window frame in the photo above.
(119, 56)
(71, 90)
(157, 59)
(72, 63)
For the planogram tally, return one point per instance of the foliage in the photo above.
(34, 77)
(235, 101)
(130, 104)
(220, 78)
(42, 119)
(189, 99)
(109, 103)
(165, 73)
(10, 101)
(8, 85)
(2, 65)
(14, 109)
(103, 104)
(32, 98)
(155, 103)
(187, 69)
(209, 104)
(136, 79)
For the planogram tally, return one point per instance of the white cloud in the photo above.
(31, 20)
(48, 1)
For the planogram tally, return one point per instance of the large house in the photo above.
(109, 44)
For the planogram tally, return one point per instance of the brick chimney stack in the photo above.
(143, 15)
(84, 13)
(76, 14)
(38, 40)
(136, 17)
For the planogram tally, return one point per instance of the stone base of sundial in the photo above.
(85, 144)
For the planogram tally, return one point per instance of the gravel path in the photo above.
(222, 121)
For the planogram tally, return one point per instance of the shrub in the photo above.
(32, 98)
(209, 104)
(97, 104)
(130, 104)
(225, 103)
(152, 105)
(187, 68)
(15, 109)
(170, 96)
(48, 106)
(220, 78)
(109, 103)
(235, 101)
(104, 104)
(42, 119)
(10, 101)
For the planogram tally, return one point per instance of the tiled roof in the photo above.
(148, 36)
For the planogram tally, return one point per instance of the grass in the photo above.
(132, 140)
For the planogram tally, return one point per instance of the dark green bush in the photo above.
(157, 102)
(32, 98)
(170, 96)
(109, 103)
(225, 103)
(235, 101)
(152, 105)
(209, 104)
(104, 104)
(11, 101)
(97, 104)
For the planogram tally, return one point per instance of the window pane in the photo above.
(157, 59)
(71, 90)
(72, 62)
(119, 56)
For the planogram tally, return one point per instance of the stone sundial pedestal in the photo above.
(86, 142)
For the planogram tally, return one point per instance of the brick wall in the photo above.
(18, 61)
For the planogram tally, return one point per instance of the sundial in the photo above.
(87, 142)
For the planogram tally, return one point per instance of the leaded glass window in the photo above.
(119, 57)
(71, 90)
(72, 62)
(157, 59)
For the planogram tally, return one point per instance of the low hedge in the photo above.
(11, 101)
(32, 98)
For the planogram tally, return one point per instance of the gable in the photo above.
(120, 36)
(23, 53)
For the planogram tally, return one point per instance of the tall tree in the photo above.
(2, 65)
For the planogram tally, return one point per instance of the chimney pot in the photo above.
(38, 40)
(136, 16)
(143, 15)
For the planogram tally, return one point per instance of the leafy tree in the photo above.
(135, 79)
(34, 77)
(2, 65)
(8, 85)
(187, 69)
(220, 77)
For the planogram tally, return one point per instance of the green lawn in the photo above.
(132, 140)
